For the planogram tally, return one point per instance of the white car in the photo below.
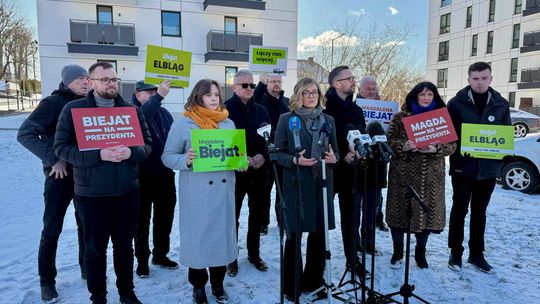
(521, 173)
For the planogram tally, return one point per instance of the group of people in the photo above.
(114, 189)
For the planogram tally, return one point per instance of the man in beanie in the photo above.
(156, 181)
(37, 135)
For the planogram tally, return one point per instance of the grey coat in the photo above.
(311, 186)
(205, 203)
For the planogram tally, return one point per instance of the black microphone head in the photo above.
(374, 128)
(325, 128)
(349, 127)
(263, 124)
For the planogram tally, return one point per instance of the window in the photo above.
(442, 78)
(489, 47)
(445, 24)
(512, 99)
(444, 49)
(491, 17)
(104, 14)
(474, 45)
(517, 10)
(112, 62)
(170, 24)
(515, 36)
(230, 25)
(468, 21)
(445, 2)
(513, 69)
(229, 80)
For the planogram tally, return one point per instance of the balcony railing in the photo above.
(240, 4)
(532, 7)
(530, 79)
(531, 42)
(87, 31)
(222, 41)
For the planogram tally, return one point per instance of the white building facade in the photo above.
(217, 32)
(504, 33)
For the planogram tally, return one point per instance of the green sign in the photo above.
(219, 150)
(167, 64)
(487, 141)
(269, 60)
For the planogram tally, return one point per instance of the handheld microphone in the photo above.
(264, 131)
(294, 127)
(365, 141)
(324, 132)
(353, 137)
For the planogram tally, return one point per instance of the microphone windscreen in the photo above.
(375, 128)
(326, 128)
(263, 124)
(349, 127)
(294, 123)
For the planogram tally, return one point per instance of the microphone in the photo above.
(264, 131)
(365, 141)
(294, 127)
(353, 137)
(376, 131)
(324, 132)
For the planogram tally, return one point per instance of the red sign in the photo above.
(433, 127)
(99, 128)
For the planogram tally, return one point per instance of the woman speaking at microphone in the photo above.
(306, 104)
(205, 199)
(423, 168)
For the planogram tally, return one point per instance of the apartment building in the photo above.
(217, 32)
(504, 33)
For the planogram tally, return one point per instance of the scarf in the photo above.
(418, 109)
(313, 119)
(206, 118)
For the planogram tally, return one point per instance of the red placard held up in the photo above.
(98, 128)
(433, 127)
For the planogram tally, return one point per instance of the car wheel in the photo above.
(520, 130)
(519, 176)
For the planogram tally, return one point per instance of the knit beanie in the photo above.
(72, 72)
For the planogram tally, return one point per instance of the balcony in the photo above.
(227, 46)
(532, 7)
(91, 37)
(235, 7)
(530, 79)
(531, 42)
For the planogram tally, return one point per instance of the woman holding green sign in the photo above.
(207, 222)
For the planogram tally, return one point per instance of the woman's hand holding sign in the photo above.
(190, 156)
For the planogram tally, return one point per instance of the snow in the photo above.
(512, 239)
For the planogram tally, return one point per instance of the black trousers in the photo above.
(380, 214)
(267, 202)
(103, 218)
(349, 209)
(478, 193)
(57, 194)
(398, 236)
(371, 198)
(252, 183)
(159, 192)
(199, 277)
(312, 276)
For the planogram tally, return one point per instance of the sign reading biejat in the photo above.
(219, 150)
(167, 64)
(267, 60)
(487, 141)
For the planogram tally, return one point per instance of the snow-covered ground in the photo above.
(512, 247)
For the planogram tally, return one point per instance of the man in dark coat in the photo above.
(37, 135)
(341, 106)
(156, 181)
(248, 115)
(269, 94)
(106, 188)
(473, 179)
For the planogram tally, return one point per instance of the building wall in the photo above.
(279, 17)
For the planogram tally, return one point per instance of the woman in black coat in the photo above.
(307, 104)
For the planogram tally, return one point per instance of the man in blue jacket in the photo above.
(473, 179)
(156, 181)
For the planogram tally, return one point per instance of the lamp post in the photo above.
(332, 54)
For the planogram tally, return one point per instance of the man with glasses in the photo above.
(248, 115)
(156, 181)
(37, 135)
(269, 94)
(106, 188)
(341, 106)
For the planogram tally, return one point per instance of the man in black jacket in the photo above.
(341, 106)
(156, 181)
(248, 115)
(106, 188)
(473, 179)
(37, 135)
(269, 94)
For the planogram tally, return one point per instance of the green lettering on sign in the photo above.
(219, 150)
(487, 141)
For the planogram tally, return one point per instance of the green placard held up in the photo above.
(167, 64)
(487, 141)
(219, 150)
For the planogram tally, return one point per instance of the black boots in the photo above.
(420, 257)
(397, 257)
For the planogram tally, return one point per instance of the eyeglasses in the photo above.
(246, 85)
(310, 93)
(106, 80)
(351, 79)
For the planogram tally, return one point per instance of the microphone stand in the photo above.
(299, 218)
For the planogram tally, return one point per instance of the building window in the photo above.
(444, 49)
(442, 78)
(517, 9)
(104, 14)
(445, 24)
(489, 48)
(170, 24)
(112, 62)
(229, 80)
(513, 69)
(474, 45)
(230, 25)
(468, 21)
(491, 17)
(445, 2)
(512, 99)
(515, 36)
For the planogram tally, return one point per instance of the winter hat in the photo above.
(71, 72)
(141, 86)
